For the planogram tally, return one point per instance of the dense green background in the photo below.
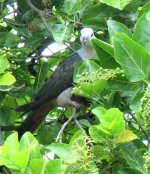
(107, 135)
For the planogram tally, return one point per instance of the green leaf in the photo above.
(85, 123)
(95, 15)
(144, 9)
(44, 132)
(60, 149)
(87, 66)
(53, 167)
(29, 141)
(11, 144)
(7, 79)
(148, 16)
(61, 32)
(77, 135)
(20, 159)
(132, 57)
(99, 134)
(105, 46)
(4, 64)
(125, 87)
(120, 4)
(95, 88)
(117, 27)
(105, 53)
(71, 7)
(133, 6)
(112, 119)
(26, 140)
(121, 169)
(142, 34)
(41, 76)
(99, 111)
(125, 136)
(9, 39)
(100, 152)
(133, 157)
(36, 166)
(135, 103)
(14, 158)
(90, 89)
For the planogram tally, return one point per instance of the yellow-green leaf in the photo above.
(7, 79)
(125, 136)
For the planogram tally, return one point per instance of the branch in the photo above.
(80, 126)
(140, 126)
(41, 13)
(59, 136)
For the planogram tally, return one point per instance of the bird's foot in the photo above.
(74, 104)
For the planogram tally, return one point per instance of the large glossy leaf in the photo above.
(95, 16)
(142, 34)
(132, 156)
(120, 4)
(53, 167)
(7, 79)
(132, 57)
(117, 27)
(28, 141)
(112, 119)
(36, 166)
(11, 156)
(44, 132)
(105, 53)
(42, 74)
(71, 7)
(65, 152)
(125, 136)
(105, 46)
(75, 6)
(125, 87)
(9, 39)
(60, 149)
(144, 9)
(12, 144)
(99, 134)
(87, 66)
(3, 65)
(133, 6)
(93, 89)
(135, 103)
(21, 159)
(78, 134)
(61, 32)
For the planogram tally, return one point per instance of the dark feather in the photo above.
(60, 80)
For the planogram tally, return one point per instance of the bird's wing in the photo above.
(61, 79)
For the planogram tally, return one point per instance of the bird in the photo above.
(56, 92)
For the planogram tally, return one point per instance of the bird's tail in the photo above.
(34, 119)
(24, 107)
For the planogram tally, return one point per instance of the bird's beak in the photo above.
(84, 40)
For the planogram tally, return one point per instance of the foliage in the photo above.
(147, 162)
(108, 134)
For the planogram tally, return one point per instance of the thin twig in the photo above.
(59, 136)
(80, 126)
(40, 12)
(140, 126)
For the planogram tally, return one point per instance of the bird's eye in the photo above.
(92, 34)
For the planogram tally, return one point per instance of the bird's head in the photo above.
(86, 35)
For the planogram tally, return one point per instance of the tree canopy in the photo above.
(111, 133)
